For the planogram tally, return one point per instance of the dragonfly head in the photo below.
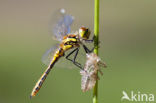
(84, 33)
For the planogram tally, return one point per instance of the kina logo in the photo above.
(137, 96)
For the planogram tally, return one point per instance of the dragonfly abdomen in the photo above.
(59, 53)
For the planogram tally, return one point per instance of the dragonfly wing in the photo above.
(61, 26)
(48, 55)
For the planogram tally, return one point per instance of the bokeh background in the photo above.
(127, 45)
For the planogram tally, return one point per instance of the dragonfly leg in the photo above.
(90, 41)
(87, 50)
(74, 60)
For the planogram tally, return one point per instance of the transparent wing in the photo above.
(48, 55)
(61, 25)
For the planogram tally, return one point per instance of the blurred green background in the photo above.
(127, 45)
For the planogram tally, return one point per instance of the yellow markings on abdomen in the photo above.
(68, 43)
(59, 53)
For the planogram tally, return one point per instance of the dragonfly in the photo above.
(61, 32)
(89, 73)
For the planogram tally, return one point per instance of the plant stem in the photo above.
(96, 41)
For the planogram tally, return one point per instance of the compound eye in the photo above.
(84, 32)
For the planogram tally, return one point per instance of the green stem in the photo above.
(96, 41)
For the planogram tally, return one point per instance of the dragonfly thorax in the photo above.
(84, 33)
